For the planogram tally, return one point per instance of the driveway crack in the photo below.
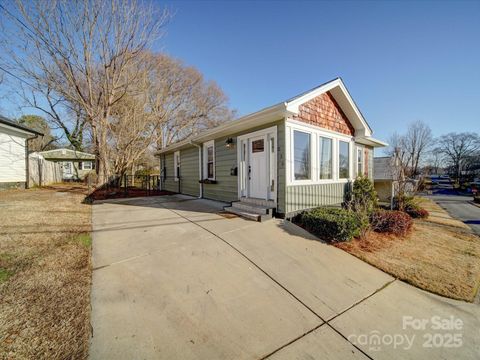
(324, 322)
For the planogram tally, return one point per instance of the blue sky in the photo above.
(402, 61)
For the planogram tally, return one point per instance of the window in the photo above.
(176, 165)
(326, 157)
(343, 160)
(359, 161)
(209, 160)
(301, 155)
(257, 146)
(87, 165)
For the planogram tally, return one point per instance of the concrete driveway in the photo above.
(173, 279)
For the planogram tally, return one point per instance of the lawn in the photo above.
(45, 273)
(435, 256)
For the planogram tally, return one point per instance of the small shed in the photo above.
(14, 153)
(75, 164)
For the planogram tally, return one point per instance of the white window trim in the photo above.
(362, 148)
(206, 145)
(89, 163)
(176, 155)
(315, 133)
(350, 150)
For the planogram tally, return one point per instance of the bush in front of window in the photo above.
(333, 224)
(362, 198)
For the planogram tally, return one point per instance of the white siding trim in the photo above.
(206, 145)
(12, 158)
(315, 132)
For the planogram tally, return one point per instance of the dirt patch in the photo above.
(45, 250)
(442, 260)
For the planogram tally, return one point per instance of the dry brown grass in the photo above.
(45, 297)
(443, 260)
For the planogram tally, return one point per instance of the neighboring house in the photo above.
(384, 180)
(75, 164)
(298, 154)
(14, 153)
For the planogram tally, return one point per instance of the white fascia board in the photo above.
(294, 105)
(348, 106)
(273, 113)
(370, 141)
(17, 131)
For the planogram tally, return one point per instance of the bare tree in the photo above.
(181, 100)
(168, 102)
(418, 141)
(411, 148)
(61, 115)
(40, 143)
(86, 53)
(457, 148)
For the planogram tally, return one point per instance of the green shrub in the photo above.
(332, 224)
(391, 221)
(363, 197)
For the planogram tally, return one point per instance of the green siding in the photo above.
(167, 163)
(226, 188)
(189, 171)
(300, 197)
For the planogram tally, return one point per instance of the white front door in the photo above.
(258, 167)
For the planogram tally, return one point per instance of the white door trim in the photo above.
(241, 171)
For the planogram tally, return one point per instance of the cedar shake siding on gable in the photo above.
(323, 111)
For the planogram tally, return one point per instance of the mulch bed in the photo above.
(120, 193)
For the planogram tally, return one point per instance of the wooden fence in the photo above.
(42, 172)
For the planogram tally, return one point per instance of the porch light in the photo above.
(229, 143)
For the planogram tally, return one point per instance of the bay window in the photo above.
(301, 155)
(343, 160)
(325, 146)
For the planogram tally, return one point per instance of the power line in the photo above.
(16, 77)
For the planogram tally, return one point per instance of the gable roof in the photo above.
(23, 129)
(66, 154)
(289, 107)
(340, 93)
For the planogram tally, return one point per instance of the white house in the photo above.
(13, 153)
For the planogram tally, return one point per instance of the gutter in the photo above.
(200, 167)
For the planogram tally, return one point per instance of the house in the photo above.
(298, 154)
(14, 153)
(385, 181)
(75, 164)
(383, 178)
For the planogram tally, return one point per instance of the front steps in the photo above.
(252, 209)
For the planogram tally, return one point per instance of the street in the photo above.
(460, 207)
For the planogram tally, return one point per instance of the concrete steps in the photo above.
(252, 209)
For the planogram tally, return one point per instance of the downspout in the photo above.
(200, 167)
